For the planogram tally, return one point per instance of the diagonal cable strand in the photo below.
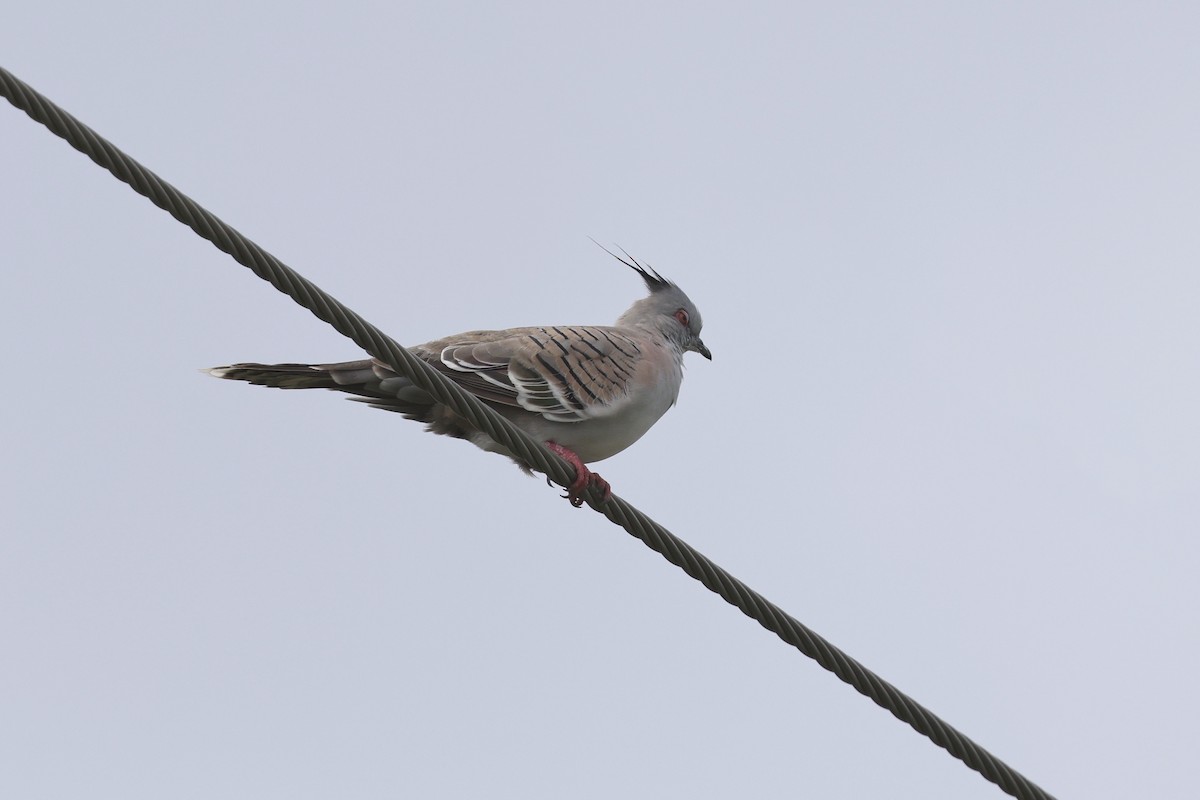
(379, 345)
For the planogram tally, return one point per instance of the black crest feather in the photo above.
(654, 281)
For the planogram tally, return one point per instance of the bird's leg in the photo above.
(583, 476)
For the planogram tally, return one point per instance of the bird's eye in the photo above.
(682, 316)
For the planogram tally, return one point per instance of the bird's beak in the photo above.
(699, 347)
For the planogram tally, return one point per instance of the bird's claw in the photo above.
(576, 489)
(584, 478)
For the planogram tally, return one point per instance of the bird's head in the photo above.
(667, 309)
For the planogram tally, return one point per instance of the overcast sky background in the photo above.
(949, 261)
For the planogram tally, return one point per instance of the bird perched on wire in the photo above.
(587, 391)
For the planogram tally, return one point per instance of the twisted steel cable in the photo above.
(379, 345)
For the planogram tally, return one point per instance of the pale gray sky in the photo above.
(947, 255)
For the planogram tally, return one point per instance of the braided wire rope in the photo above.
(379, 345)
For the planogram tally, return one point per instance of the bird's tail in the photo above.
(370, 381)
(301, 376)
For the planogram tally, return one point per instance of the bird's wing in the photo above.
(565, 373)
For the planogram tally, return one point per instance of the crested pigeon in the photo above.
(588, 392)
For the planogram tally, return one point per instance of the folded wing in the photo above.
(566, 374)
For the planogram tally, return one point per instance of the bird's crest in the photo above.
(654, 281)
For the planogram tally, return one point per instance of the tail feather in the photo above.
(280, 376)
(369, 381)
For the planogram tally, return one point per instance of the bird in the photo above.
(586, 391)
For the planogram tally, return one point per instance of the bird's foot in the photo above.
(584, 477)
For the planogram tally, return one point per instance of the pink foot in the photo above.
(583, 476)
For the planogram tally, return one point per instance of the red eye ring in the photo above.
(682, 316)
